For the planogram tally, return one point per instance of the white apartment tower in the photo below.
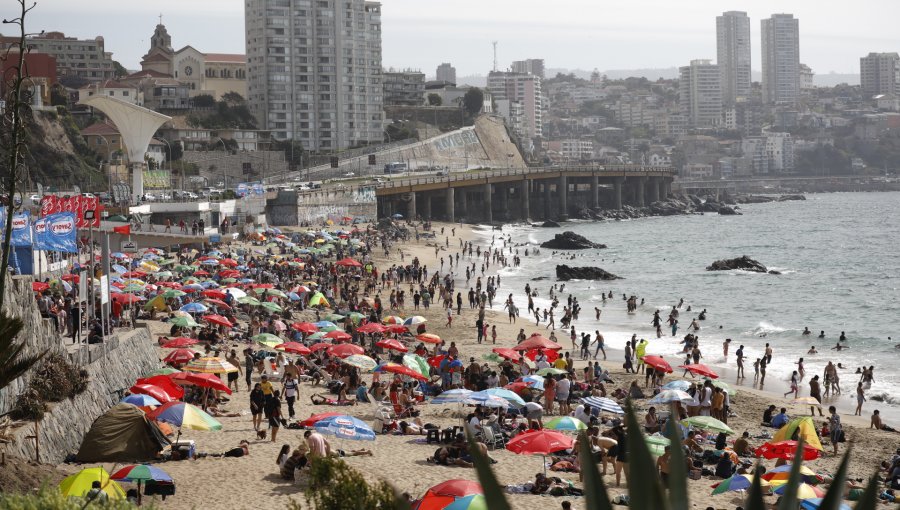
(700, 94)
(524, 89)
(880, 73)
(314, 70)
(781, 59)
(533, 66)
(733, 54)
(446, 72)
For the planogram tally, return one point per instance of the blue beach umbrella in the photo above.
(677, 385)
(194, 308)
(119, 268)
(537, 382)
(452, 397)
(346, 427)
(505, 394)
(141, 400)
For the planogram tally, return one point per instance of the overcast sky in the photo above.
(574, 34)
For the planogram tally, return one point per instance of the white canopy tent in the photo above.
(136, 125)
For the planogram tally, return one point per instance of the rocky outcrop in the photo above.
(550, 224)
(726, 210)
(765, 199)
(565, 273)
(570, 241)
(743, 263)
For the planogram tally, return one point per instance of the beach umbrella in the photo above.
(458, 396)
(153, 390)
(669, 396)
(172, 390)
(399, 369)
(781, 474)
(141, 474)
(392, 344)
(180, 356)
(210, 365)
(567, 423)
(247, 300)
(399, 329)
(271, 292)
(539, 442)
(334, 317)
(179, 342)
(657, 363)
(193, 287)
(141, 400)
(815, 504)
(677, 385)
(804, 491)
(348, 262)
(235, 292)
(518, 387)
(537, 341)
(126, 299)
(360, 361)
(294, 348)
(267, 339)
(39, 286)
(307, 328)
(210, 381)
(163, 274)
(700, 369)
(338, 335)
(371, 327)
(725, 387)
(707, 423)
(119, 269)
(736, 483)
(807, 401)
(505, 394)
(449, 493)
(345, 427)
(326, 326)
(536, 381)
(79, 484)
(507, 353)
(417, 363)
(551, 371)
(392, 319)
(173, 293)
(213, 293)
(318, 299)
(217, 303)
(657, 444)
(344, 350)
(603, 404)
(786, 450)
(184, 415)
(481, 399)
(415, 320)
(312, 420)
(184, 322)
(218, 320)
(194, 308)
(428, 338)
(319, 346)
(181, 268)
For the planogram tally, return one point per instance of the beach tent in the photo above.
(122, 434)
(803, 427)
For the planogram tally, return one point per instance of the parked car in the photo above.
(149, 197)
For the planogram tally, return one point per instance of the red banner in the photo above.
(78, 204)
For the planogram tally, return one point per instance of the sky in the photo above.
(571, 34)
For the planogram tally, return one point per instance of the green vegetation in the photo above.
(54, 380)
(230, 112)
(52, 499)
(473, 101)
(333, 485)
(434, 99)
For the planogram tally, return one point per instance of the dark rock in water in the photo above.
(570, 241)
(785, 198)
(728, 211)
(744, 263)
(753, 199)
(565, 273)
(550, 224)
(772, 271)
(540, 278)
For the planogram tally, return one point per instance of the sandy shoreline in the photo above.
(253, 481)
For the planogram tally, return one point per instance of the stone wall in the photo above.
(113, 367)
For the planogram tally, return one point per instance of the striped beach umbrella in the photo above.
(184, 415)
(210, 365)
(565, 423)
(603, 404)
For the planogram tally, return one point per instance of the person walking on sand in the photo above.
(815, 391)
(725, 345)
(834, 425)
(739, 354)
(599, 339)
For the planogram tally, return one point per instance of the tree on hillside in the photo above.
(434, 100)
(120, 69)
(473, 101)
(203, 101)
(232, 98)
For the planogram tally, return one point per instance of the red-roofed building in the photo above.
(39, 66)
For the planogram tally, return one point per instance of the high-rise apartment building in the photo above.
(880, 73)
(404, 87)
(701, 93)
(781, 59)
(533, 66)
(733, 54)
(524, 89)
(446, 72)
(76, 59)
(314, 70)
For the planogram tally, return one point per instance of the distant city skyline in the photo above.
(574, 34)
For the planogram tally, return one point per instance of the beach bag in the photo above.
(842, 438)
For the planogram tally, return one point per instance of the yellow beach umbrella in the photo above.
(80, 483)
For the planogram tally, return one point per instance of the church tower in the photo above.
(161, 55)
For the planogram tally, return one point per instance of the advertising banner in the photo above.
(56, 232)
(21, 228)
(76, 204)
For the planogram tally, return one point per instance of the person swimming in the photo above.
(812, 350)
(821, 334)
(806, 331)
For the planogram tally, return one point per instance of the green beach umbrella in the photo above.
(164, 371)
(272, 307)
(181, 268)
(247, 300)
(184, 322)
(565, 423)
(268, 339)
(551, 371)
(163, 274)
(172, 293)
(707, 423)
(334, 317)
(657, 444)
(133, 287)
(318, 335)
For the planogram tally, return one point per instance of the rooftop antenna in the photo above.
(495, 55)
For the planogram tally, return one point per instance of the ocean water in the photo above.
(838, 254)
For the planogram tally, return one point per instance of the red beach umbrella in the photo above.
(392, 344)
(152, 390)
(371, 327)
(219, 320)
(219, 303)
(536, 341)
(507, 353)
(348, 262)
(786, 450)
(338, 336)
(179, 342)
(658, 363)
(396, 368)
(344, 350)
(307, 328)
(179, 356)
(446, 493)
(700, 369)
(213, 293)
(211, 381)
(309, 422)
(542, 442)
(294, 347)
(173, 390)
(319, 346)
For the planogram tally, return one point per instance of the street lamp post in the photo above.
(224, 174)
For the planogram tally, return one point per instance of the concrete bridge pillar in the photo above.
(563, 191)
(502, 200)
(640, 191)
(548, 213)
(411, 206)
(617, 189)
(426, 206)
(463, 211)
(488, 205)
(654, 190)
(595, 192)
(663, 189)
(451, 205)
(525, 198)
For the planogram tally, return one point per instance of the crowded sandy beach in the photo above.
(409, 330)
